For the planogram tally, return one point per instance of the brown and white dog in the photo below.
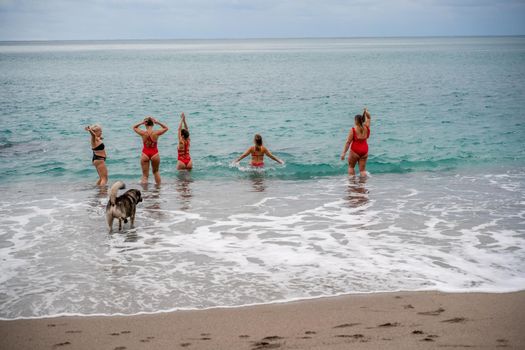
(122, 207)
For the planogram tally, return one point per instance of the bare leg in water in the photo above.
(144, 163)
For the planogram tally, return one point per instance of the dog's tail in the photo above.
(114, 190)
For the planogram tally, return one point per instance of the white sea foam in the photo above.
(290, 241)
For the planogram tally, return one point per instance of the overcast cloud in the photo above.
(164, 19)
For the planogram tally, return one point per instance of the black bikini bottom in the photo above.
(96, 157)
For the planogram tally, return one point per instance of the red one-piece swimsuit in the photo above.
(360, 146)
(184, 154)
(150, 147)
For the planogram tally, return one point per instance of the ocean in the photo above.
(442, 209)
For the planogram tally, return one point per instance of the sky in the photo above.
(209, 19)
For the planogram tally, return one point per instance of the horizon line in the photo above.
(270, 38)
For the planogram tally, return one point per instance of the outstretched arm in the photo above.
(367, 118)
(269, 154)
(162, 125)
(347, 144)
(137, 129)
(244, 155)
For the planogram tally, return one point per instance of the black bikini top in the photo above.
(99, 147)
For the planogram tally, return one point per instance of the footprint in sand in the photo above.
(146, 340)
(244, 336)
(430, 337)
(502, 343)
(456, 320)
(267, 343)
(310, 332)
(354, 336)
(432, 313)
(62, 344)
(272, 337)
(72, 332)
(417, 332)
(184, 345)
(345, 325)
(389, 324)
(125, 332)
(114, 334)
(120, 348)
(263, 345)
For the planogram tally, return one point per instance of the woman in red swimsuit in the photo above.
(356, 141)
(150, 152)
(258, 151)
(99, 153)
(184, 161)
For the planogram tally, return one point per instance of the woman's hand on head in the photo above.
(87, 128)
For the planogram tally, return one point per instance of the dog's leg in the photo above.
(109, 219)
(120, 224)
(133, 216)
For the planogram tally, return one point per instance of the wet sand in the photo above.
(406, 320)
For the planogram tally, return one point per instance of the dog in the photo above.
(122, 207)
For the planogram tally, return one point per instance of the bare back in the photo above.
(258, 155)
(149, 138)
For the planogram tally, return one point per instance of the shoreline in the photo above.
(405, 320)
(270, 303)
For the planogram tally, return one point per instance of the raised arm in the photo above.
(367, 118)
(269, 154)
(163, 126)
(244, 155)
(181, 124)
(93, 136)
(137, 129)
(349, 140)
(184, 121)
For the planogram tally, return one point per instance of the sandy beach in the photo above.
(404, 320)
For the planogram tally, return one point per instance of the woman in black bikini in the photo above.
(99, 154)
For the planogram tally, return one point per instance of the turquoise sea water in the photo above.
(443, 209)
(437, 103)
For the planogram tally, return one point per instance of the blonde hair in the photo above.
(95, 127)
